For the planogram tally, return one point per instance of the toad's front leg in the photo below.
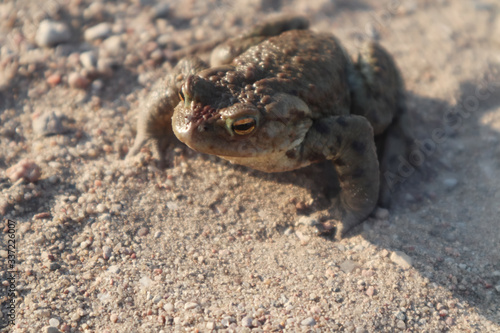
(348, 142)
(155, 118)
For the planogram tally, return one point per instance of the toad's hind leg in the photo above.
(378, 94)
(155, 117)
(348, 142)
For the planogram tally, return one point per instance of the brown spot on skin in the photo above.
(358, 147)
(339, 162)
(358, 173)
(291, 154)
(342, 122)
(342, 178)
(296, 113)
(316, 157)
(321, 127)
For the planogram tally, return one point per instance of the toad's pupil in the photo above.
(244, 127)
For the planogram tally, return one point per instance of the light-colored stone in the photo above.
(401, 259)
(51, 33)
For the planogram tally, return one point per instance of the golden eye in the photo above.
(244, 126)
(181, 95)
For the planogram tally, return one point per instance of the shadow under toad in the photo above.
(423, 224)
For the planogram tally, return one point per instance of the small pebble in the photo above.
(308, 322)
(44, 313)
(409, 197)
(101, 208)
(48, 123)
(54, 79)
(384, 253)
(142, 231)
(400, 315)
(246, 321)
(450, 183)
(78, 81)
(307, 220)
(102, 30)
(75, 316)
(106, 252)
(330, 273)
(190, 305)
(105, 66)
(172, 205)
(402, 259)
(51, 329)
(97, 85)
(304, 239)
(169, 307)
(161, 10)
(381, 213)
(113, 45)
(146, 282)
(113, 317)
(88, 60)
(26, 169)
(348, 266)
(114, 269)
(370, 291)
(316, 309)
(51, 33)
(54, 266)
(40, 216)
(53, 322)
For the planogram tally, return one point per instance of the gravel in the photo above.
(107, 245)
(402, 259)
(308, 322)
(51, 33)
(48, 123)
(99, 31)
(26, 169)
(450, 183)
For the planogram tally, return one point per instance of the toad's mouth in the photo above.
(212, 137)
(230, 132)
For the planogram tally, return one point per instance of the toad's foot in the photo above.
(350, 146)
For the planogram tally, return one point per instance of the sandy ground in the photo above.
(103, 245)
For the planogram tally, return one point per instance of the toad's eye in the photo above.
(244, 126)
(181, 94)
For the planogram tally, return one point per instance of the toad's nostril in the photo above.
(203, 128)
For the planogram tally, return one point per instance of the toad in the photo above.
(279, 98)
